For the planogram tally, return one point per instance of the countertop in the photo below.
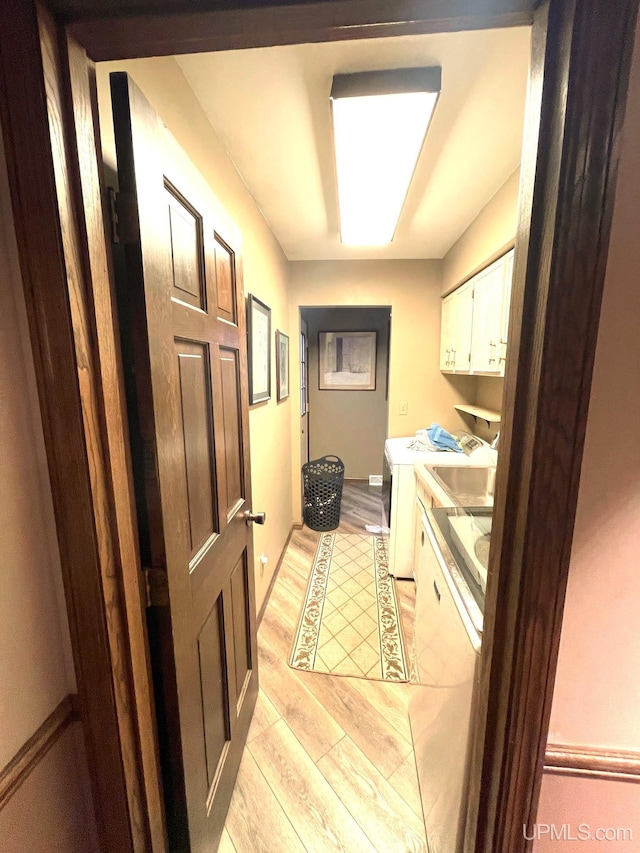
(398, 453)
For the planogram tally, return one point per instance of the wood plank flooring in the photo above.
(329, 762)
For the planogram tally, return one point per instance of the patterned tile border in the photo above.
(392, 664)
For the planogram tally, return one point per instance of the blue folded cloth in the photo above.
(442, 439)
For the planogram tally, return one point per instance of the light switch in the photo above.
(404, 407)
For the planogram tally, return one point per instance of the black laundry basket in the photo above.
(323, 479)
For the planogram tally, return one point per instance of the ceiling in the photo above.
(270, 107)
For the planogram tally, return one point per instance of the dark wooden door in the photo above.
(182, 317)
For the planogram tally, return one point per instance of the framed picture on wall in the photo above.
(259, 350)
(347, 361)
(282, 365)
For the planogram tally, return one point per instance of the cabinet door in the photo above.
(446, 332)
(506, 307)
(418, 538)
(487, 311)
(463, 321)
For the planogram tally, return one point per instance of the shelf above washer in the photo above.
(491, 416)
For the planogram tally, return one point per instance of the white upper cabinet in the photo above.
(446, 328)
(506, 307)
(455, 335)
(487, 312)
(475, 322)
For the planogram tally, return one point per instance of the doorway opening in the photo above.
(347, 410)
(353, 395)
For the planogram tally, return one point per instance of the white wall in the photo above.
(36, 668)
(596, 700)
(492, 230)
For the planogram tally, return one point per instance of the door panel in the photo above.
(195, 399)
(212, 679)
(188, 409)
(185, 230)
(225, 280)
(230, 410)
(242, 647)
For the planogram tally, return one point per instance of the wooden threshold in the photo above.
(36, 748)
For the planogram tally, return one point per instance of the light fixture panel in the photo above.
(379, 128)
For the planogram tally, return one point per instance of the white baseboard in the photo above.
(375, 479)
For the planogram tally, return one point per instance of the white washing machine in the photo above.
(399, 495)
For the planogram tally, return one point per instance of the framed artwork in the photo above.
(259, 350)
(347, 361)
(304, 391)
(282, 365)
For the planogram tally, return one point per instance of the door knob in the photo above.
(257, 517)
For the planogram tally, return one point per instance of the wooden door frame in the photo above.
(576, 108)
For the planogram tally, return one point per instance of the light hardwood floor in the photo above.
(329, 762)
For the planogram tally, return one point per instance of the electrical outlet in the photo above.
(263, 562)
(403, 408)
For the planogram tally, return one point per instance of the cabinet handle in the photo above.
(453, 363)
(437, 591)
(422, 537)
(448, 358)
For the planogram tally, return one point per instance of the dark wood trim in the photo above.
(593, 762)
(275, 574)
(52, 247)
(575, 113)
(141, 740)
(35, 749)
(126, 36)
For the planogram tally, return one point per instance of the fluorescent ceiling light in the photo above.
(380, 120)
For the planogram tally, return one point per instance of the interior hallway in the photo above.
(329, 761)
